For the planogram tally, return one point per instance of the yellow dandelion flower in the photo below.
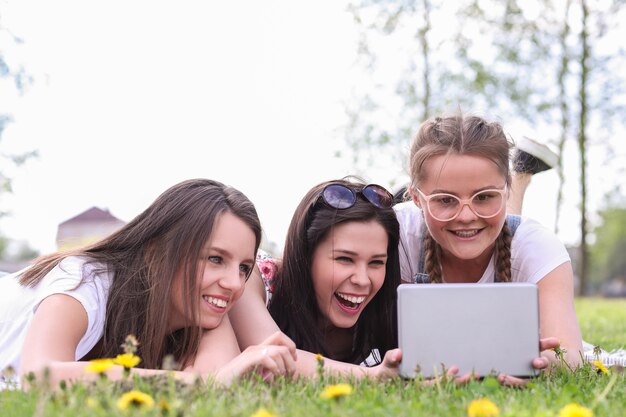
(336, 391)
(163, 405)
(99, 366)
(136, 399)
(262, 412)
(320, 364)
(91, 402)
(127, 360)
(575, 410)
(482, 408)
(600, 367)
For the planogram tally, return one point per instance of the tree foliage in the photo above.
(514, 60)
(19, 78)
(607, 253)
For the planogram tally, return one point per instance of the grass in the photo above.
(603, 323)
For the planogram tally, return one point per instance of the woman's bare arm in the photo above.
(557, 313)
(253, 323)
(61, 321)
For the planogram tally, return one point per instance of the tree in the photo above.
(600, 86)
(582, 145)
(20, 79)
(377, 133)
(562, 77)
(607, 252)
(548, 66)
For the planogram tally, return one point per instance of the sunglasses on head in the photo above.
(341, 196)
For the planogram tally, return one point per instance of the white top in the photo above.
(535, 250)
(18, 305)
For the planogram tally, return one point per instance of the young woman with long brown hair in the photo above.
(169, 277)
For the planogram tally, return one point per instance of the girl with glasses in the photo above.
(456, 228)
(169, 277)
(334, 291)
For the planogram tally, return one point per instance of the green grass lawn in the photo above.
(603, 323)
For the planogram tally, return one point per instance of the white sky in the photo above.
(133, 96)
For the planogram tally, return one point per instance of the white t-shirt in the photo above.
(18, 305)
(535, 250)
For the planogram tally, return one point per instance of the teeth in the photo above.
(466, 233)
(352, 299)
(216, 301)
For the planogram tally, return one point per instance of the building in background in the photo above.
(86, 227)
(83, 229)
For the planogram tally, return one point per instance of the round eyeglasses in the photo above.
(445, 207)
(340, 196)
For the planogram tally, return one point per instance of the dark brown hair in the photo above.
(144, 257)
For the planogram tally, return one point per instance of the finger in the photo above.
(280, 357)
(274, 354)
(511, 381)
(548, 343)
(290, 363)
(541, 363)
(465, 379)
(267, 364)
(267, 375)
(272, 339)
(392, 358)
(450, 373)
(283, 359)
(280, 338)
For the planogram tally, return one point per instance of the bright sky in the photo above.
(131, 97)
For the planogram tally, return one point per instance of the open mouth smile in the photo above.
(350, 301)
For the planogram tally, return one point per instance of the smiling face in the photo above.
(348, 269)
(466, 237)
(226, 260)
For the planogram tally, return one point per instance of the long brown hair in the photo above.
(144, 257)
(462, 135)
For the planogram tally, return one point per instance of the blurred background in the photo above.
(104, 105)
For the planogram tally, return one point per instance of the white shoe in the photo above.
(533, 157)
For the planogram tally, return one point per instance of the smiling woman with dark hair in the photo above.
(334, 290)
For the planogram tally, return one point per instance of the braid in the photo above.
(503, 255)
(432, 259)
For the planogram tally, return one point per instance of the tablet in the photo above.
(485, 328)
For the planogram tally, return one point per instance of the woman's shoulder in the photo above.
(81, 266)
(535, 251)
(409, 216)
(532, 229)
(406, 209)
(77, 273)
